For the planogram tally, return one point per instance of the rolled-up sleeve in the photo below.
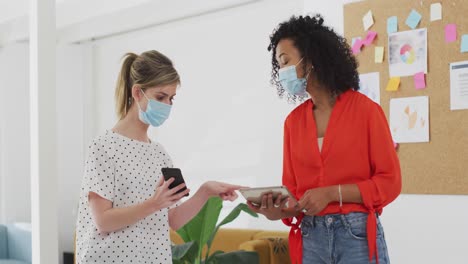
(384, 186)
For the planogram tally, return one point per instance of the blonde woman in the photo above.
(126, 207)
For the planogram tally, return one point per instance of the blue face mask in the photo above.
(290, 82)
(156, 112)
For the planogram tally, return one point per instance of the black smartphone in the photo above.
(177, 175)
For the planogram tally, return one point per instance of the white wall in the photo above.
(2, 201)
(227, 120)
(74, 74)
(12, 9)
(426, 229)
(331, 10)
(83, 9)
(73, 111)
(14, 107)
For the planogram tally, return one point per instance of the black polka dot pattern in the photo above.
(125, 172)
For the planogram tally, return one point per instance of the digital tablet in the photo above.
(254, 195)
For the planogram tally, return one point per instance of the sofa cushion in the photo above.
(277, 242)
(3, 242)
(228, 240)
(19, 242)
(271, 250)
(259, 246)
(11, 261)
(268, 234)
(271, 246)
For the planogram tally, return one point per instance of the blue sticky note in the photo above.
(464, 44)
(392, 24)
(413, 19)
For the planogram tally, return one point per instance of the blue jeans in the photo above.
(340, 239)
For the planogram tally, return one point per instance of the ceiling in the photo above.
(82, 9)
(84, 20)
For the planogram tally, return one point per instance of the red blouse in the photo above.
(357, 149)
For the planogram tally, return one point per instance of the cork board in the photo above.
(440, 166)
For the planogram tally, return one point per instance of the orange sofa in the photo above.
(271, 246)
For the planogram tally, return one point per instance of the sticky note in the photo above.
(450, 33)
(354, 40)
(392, 24)
(357, 46)
(379, 53)
(370, 38)
(393, 84)
(464, 44)
(420, 80)
(368, 20)
(436, 11)
(413, 19)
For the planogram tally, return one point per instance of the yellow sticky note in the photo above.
(379, 51)
(393, 84)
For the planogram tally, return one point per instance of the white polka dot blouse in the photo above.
(125, 172)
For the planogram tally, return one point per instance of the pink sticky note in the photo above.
(420, 80)
(370, 38)
(357, 46)
(450, 33)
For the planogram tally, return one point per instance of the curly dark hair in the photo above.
(330, 55)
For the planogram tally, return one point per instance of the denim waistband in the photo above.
(334, 219)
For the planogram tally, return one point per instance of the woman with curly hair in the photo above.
(339, 158)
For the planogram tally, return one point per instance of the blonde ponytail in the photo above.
(123, 91)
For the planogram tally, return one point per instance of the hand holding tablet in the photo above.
(255, 195)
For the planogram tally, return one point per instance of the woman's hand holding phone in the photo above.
(164, 197)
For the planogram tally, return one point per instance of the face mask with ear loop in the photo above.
(287, 76)
(156, 112)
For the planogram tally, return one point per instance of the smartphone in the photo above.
(177, 175)
(255, 195)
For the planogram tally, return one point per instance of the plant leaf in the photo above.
(184, 252)
(210, 259)
(202, 225)
(235, 213)
(229, 218)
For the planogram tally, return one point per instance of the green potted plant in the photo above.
(200, 232)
